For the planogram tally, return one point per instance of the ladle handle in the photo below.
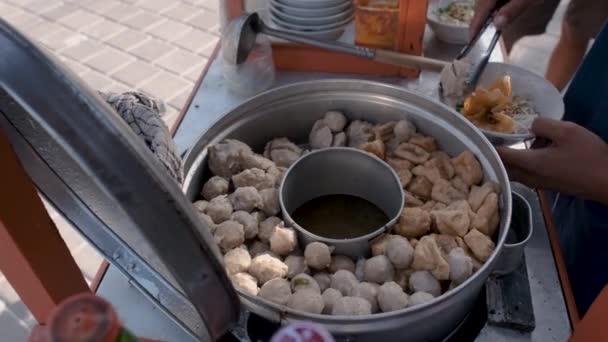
(333, 46)
(383, 56)
(401, 59)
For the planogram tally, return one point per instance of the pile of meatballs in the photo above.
(444, 235)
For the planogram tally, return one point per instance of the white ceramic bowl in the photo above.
(311, 12)
(446, 32)
(545, 98)
(312, 4)
(326, 35)
(311, 27)
(320, 20)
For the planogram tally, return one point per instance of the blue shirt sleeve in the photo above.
(586, 100)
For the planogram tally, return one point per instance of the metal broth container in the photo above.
(341, 171)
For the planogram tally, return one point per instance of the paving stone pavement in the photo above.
(158, 46)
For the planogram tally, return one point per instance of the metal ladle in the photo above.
(242, 31)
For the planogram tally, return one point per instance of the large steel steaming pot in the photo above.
(290, 111)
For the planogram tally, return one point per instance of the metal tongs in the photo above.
(478, 69)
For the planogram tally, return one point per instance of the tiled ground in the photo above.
(158, 46)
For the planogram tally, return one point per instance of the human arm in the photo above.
(506, 14)
(575, 162)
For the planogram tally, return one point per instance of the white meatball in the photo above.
(259, 216)
(360, 268)
(351, 306)
(341, 262)
(214, 187)
(270, 201)
(249, 222)
(369, 292)
(255, 177)
(303, 281)
(257, 248)
(320, 136)
(344, 281)
(247, 198)
(229, 234)
(339, 140)
(425, 282)
(461, 266)
(245, 282)
(318, 255)
(323, 279)
(282, 151)
(208, 221)
(283, 240)
(237, 260)
(267, 228)
(379, 270)
(225, 157)
(307, 301)
(219, 209)
(330, 296)
(295, 265)
(266, 267)
(256, 161)
(419, 298)
(201, 205)
(404, 130)
(278, 173)
(400, 252)
(391, 297)
(336, 121)
(276, 290)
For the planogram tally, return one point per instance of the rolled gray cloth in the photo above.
(143, 114)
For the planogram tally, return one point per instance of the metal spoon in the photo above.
(242, 31)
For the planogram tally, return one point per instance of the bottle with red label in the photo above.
(303, 332)
(84, 318)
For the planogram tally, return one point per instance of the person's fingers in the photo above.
(523, 159)
(528, 178)
(554, 130)
(482, 11)
(509, 12)
(525, 177)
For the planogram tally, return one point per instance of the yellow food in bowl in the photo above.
(496, 109)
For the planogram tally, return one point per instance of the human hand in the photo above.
(575, 162)
(506, 14)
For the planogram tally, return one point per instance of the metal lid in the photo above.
(86, 161)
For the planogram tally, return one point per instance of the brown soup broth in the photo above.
(339, 216)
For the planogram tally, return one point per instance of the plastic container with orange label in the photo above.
(84, 318)
(377, 23)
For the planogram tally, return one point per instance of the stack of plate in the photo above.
(320, 19)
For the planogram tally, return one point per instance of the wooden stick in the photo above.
(559, 259)
(401, 59)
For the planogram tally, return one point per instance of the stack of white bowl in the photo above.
(320, 19)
